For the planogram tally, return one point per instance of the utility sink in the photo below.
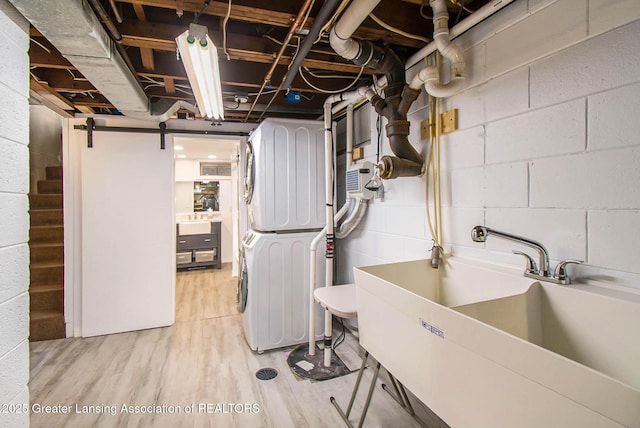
(483, 346)
(194, 227)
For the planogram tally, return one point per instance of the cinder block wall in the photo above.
(14, 216)
(547, 145)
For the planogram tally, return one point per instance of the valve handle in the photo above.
(561, 269)
(532, 267)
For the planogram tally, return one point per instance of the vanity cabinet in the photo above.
(199, 251)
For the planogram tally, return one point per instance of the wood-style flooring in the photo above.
(201, 361)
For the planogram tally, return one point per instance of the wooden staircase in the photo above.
(46, 243)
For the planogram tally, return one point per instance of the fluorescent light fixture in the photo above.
(182, 156)
(212, 156)
(178, 148)
(200, 58)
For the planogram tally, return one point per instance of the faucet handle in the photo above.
(561, 270)
(532, 267)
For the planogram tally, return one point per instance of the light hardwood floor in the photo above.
(201, 360)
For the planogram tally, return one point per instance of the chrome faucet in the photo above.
(480, 233)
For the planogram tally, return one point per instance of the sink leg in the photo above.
(345, 415)
(401, 397)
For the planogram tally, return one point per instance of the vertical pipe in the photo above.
(328, 159)
(349, 135)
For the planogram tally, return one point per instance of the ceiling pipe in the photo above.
(398, 96)
(319, 21)
(430, 75)
(287, 39)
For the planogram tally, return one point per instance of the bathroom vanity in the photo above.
(198, 244)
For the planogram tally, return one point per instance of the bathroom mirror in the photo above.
(206, 196)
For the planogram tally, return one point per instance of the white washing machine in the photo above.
(274, 289)
(284, 175)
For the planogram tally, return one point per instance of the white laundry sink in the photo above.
(194, 227)
(484, 346)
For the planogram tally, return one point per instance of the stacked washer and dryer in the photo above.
(284, 193)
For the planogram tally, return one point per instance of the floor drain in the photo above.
(266, 374)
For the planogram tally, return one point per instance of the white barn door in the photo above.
(128, 234)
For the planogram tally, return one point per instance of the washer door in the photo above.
(243, 282)
(249, 174)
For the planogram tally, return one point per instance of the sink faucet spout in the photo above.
(480, 234)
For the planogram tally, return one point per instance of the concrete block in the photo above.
(407, 221)
(562, 232)
(462, 149)
(14, 110)
(14, 174)
(605, 15)
(597, 180)
(17, 420)
(414, 249)
(507, 95)
(614, 239)
(613, 118)
(507, 185)
(603, 62)
(468, 187)
(13, 25)
(541, 133)
(458, 222)
(14, 322)
(389, 247)
(14, 219)
(14, 372)
(550, 29)
(470, 105)
(14, 265)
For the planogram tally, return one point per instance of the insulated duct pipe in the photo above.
(73, 28)
(398, 97)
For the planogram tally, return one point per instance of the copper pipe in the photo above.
(292, 30)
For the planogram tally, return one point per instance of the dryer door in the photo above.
(249, 173)
(243, 282)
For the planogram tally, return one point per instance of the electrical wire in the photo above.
(306, 16)
(324, 91)
(341, 336)
(46, 49)
(422, 5)
(224, 32)
(397, 30)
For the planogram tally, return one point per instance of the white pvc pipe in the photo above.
(328, 161)
(312, 279)
(340, 35)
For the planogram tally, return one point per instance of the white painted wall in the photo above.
(14, 215)
(547, 145)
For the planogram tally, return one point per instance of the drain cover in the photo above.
(266, 374)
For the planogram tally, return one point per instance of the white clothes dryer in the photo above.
(273, 290)
(284, 175)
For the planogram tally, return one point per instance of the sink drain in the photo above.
(266, 374)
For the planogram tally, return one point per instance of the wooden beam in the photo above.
(259, 15)
(64, 81)
(145, 53)
(169, 85)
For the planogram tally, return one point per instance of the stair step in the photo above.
(46, 325)
(53, 217)
(50, 186)
(47, 297)
(46, 201)
(47, 253)
(53, 172)
(47, 273)
(46, 235)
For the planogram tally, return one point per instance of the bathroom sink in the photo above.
(483, 346)
(194, 227)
